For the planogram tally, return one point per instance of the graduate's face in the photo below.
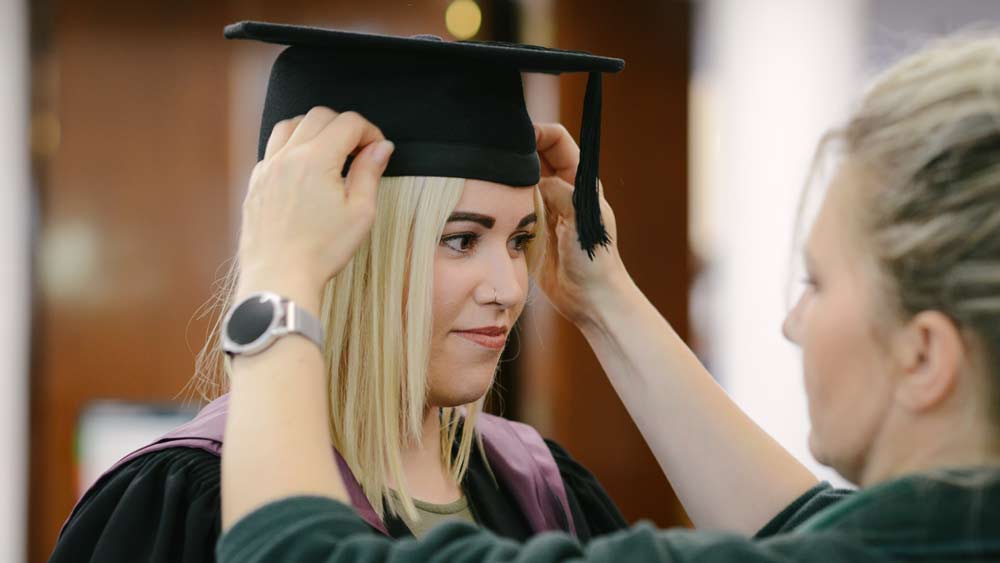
(480, 286)
(836, 323)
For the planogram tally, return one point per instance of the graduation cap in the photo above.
(453, 109)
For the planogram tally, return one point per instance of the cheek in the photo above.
(452, 288)
(844, 379)
(459, 373)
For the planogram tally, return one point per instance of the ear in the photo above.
(930, 352)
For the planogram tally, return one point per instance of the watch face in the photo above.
(250, 320)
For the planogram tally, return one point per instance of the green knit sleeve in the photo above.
(320, 530)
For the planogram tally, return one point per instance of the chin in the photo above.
(459, 397)
(817, 449)
(461, 388)
(839, 464)
(456, 401)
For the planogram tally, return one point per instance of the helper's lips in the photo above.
(492, 337)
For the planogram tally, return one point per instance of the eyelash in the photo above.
(472, 239)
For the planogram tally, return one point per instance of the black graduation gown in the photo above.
(165, 507)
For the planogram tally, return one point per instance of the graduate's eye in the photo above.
(460, 242)
(520, 242)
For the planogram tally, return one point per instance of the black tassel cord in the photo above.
(586, 198)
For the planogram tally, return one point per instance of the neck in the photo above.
(929, 442)
(425, 471)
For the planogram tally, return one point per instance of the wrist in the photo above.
(610, 301)
(305, 292)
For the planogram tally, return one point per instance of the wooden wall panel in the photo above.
(644, 172)
(133, 221)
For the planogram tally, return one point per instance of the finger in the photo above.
(311, 125)
(280, 133)
(366, 171)
(343, 136)
(558, 197)
(545, 170)
(558, 150)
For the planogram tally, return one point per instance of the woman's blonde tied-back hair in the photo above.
(928, 132)
(377, 314)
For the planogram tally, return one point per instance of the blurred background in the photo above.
(131, 127)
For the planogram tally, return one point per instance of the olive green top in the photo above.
(431, 514)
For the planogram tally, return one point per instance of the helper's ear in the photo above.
(930, 352)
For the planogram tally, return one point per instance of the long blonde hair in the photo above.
(377, 314)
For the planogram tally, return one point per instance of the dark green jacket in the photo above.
(948, 517)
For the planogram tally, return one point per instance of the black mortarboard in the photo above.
(453, 109)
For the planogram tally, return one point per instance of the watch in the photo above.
(256, 322)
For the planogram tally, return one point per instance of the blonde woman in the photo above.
(411, 328)
(899, 327)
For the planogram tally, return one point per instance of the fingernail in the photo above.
(382, 152)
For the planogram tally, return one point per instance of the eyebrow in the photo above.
(528, 219)
(486, 220)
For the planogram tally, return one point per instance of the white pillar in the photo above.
(15, 221)
(769, 77)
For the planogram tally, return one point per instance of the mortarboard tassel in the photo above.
(586, 199)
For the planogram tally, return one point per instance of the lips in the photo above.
(492, 337)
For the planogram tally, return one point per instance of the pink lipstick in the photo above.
(492, 337)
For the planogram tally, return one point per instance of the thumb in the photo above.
(366, 171)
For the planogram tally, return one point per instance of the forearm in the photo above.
(727, 472)
(301, 225)
(277, 431)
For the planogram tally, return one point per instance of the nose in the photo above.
(786, 328)
(503, 284)
(790, 328)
